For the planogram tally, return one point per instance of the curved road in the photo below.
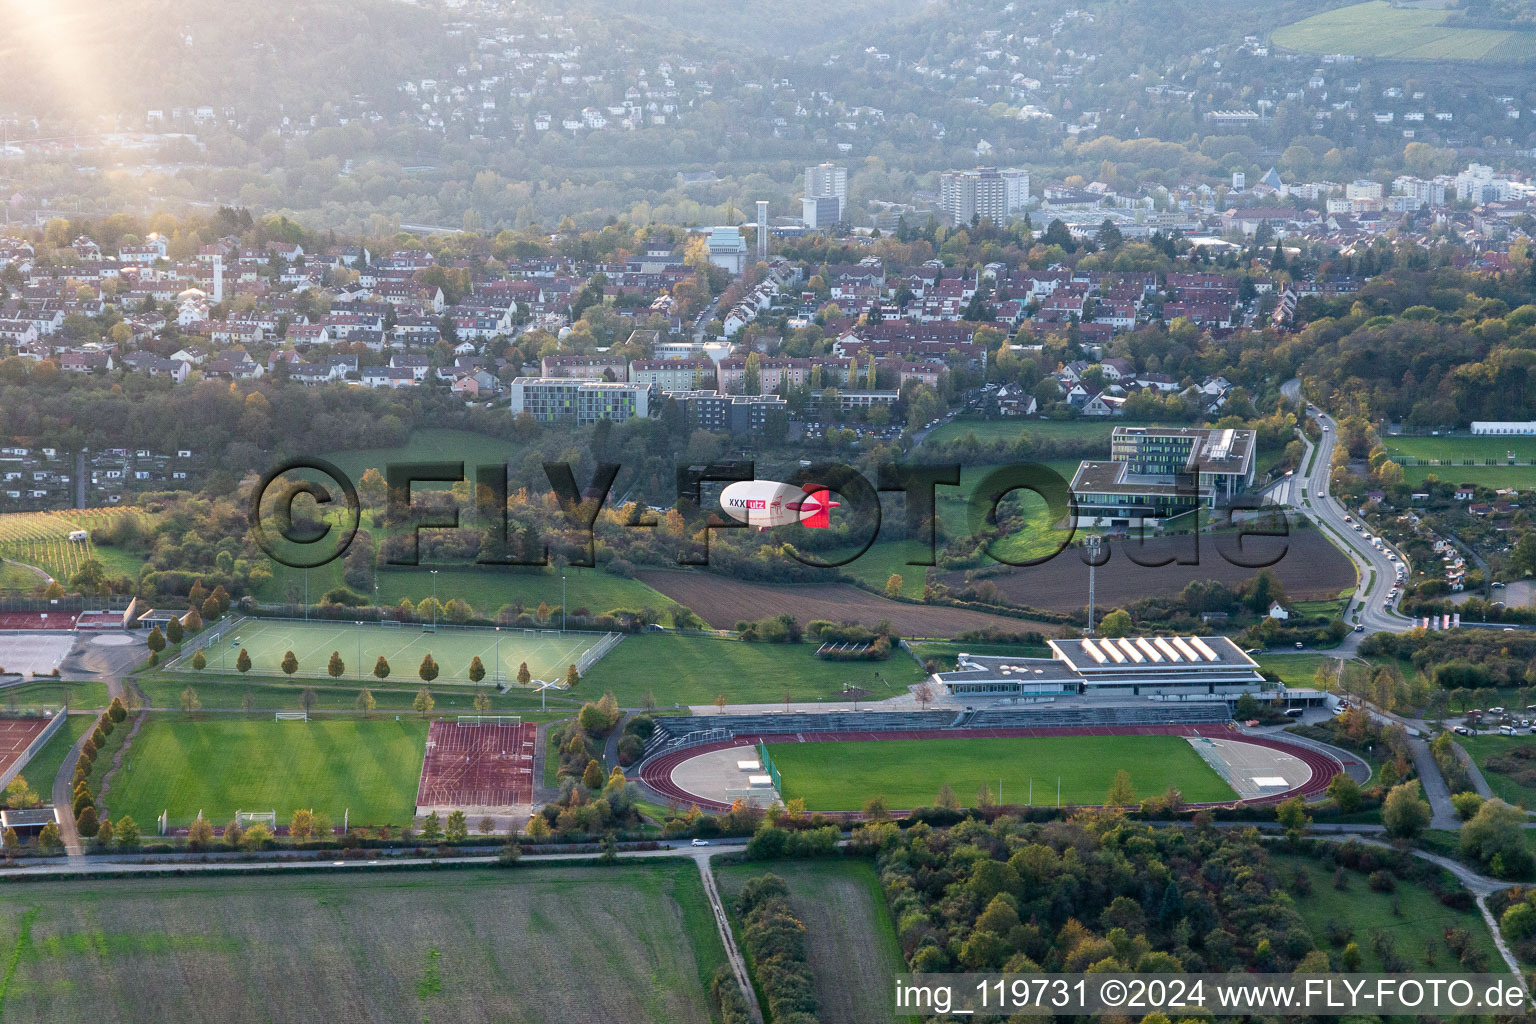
(1309, 490)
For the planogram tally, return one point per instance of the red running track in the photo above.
(487, 765)
(657, 772)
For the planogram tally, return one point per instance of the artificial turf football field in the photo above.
(844, 776)
(366, 769)
(548, 652)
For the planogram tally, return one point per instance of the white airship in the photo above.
(768, 503)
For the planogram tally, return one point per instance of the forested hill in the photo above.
(73, 58)
(1519, 15)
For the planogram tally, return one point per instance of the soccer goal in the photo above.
(503, 721)
(427, 627)
(391, 623)
(292, 716)
(245, 819)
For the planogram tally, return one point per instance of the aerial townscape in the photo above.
(753, 514)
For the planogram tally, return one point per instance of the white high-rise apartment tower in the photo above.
(827, 180)
(984, 192)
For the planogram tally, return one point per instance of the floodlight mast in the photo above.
(1091, 543)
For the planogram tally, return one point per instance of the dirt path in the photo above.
(723, 923)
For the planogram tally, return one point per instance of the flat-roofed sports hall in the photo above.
(548, 652)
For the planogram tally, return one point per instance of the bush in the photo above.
(1467, 805)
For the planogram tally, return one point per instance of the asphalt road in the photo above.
(1309, 491)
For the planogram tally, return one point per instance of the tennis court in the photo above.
(548, 652)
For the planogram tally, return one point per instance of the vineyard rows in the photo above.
(42, 539)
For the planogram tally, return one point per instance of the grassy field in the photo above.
(1506, 787)
(694, 670)
(45, 764)
(42, 539)
(18, 579)
(1295, 669)
(1421, 923)
(908, 773)
(1009, 430)
(548, 652)
(220, 767)
(485, 590)
(471, 947)
(850, 941)
(1519, 477)
(1461, 448)
(50, 693)
(1379, 29)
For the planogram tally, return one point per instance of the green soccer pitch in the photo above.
(549, 653)
(844, 776)
(366, 771)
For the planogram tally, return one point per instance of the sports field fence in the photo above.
(228, 630)
(769, 767)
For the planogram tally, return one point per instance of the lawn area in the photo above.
(1519, 477)
(1380, 29)
(1517, 787)
(850, 941)
(1295, 669)
(1421, 923)
(18, 579)
(1461, 448)
(55, 693)
(695, 670)
(548, 653)
(45, 764)
(1010, 430)
(908, 773)
(486, 590)
(370, 767)
(471, 947)
(1332, 609)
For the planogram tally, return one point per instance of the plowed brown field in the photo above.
(724, 602)
(1311, 569)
